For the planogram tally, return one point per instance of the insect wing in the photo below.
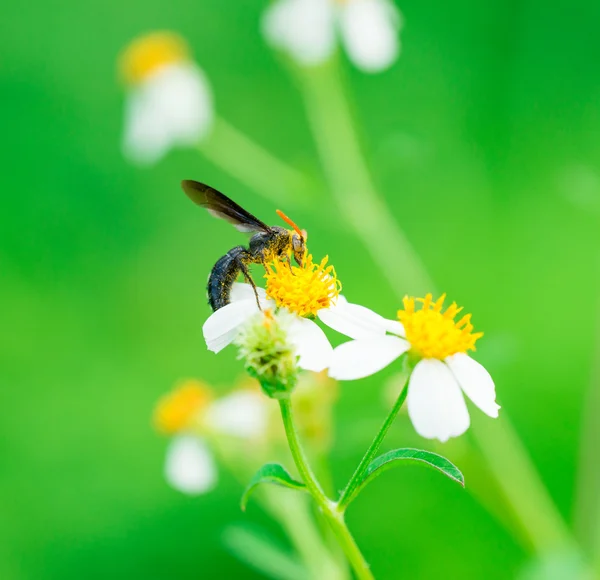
(221, 206)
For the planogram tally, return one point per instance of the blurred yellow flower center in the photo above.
(433, 333)
(305, 289)
(149, 53)
(181, 408)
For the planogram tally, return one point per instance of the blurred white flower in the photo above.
(241, 414)
(169, 102)
(442, 374)
(189, 465)
(189, 413)
(307, 30)
(308, 291)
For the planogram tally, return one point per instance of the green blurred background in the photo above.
(484, 139)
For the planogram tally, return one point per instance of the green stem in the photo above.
(293, 513)
(348, 492)
(587, 499)
(329, 509)
(541, 526)
(240, 156)
(351, 184)
(330, 118)
(295, 517)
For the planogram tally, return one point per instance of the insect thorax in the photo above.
(267, 246)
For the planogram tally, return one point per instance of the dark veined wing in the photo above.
(221, 206)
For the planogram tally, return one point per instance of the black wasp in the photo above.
(266, 243)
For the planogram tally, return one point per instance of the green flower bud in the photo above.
(269, 356)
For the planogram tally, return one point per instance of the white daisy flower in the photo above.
(189, 413)
(444, 371)
(311, 290)
(308, 29)
(169, 101)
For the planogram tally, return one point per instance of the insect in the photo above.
(266, 243)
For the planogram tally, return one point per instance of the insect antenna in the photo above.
(287, 220)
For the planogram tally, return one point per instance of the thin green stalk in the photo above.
(329, 509)
(330, 118)
(372, 450)
(587, 499)
(240, 156)
(294, 515)
(542, 527)
(351, 183)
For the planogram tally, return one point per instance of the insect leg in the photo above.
(248, 278)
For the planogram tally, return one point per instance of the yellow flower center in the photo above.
(181, 408)
(150, 52)
(433, 333)
(304, 289)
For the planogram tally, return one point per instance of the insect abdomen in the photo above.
(222, 277)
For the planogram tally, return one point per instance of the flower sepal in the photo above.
(271, 385)
(410, 359)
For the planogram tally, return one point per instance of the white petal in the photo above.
(360, 358)
(222, 326)
(241, 414)
(311, 344)
(370, 32)
(341, 299)
(220, 342)
(395, 327)
(189, 465)
(475, 381)
(173, 106)
(353, 320)
(304, 28)
(145, 139)
(436, 405)
(241, 291)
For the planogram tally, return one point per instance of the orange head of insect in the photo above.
(298, 238)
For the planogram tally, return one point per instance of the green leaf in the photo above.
(392, 459)
(270, 473)
(259, 550)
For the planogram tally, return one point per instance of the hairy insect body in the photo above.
(277, 243)
(223, 274)
(266, 243)
(263, 248)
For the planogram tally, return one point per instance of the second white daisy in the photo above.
(442, 373)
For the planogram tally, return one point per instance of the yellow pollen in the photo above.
(268, 318)
(150, 52)
(180, 409)
(304, 289)
(433, 333)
